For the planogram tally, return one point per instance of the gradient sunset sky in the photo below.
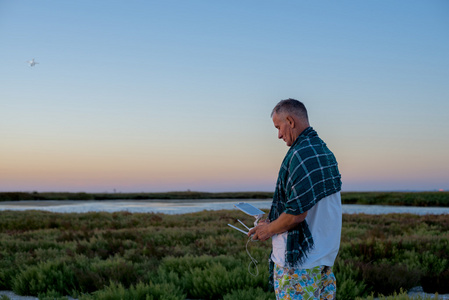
(149, 96)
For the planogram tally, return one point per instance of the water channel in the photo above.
(190, 206)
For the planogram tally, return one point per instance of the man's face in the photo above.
(284, 127)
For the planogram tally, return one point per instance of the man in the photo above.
(305, 217)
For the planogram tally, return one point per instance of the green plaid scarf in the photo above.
(309, 173)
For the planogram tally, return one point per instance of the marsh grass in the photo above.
(196, 256)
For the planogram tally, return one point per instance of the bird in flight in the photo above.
(32, 63)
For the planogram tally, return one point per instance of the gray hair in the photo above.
(291, 106)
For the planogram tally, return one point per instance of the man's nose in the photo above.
(279, 135)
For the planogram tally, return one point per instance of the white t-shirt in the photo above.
(324, 221)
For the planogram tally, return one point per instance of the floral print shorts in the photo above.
(316, 283)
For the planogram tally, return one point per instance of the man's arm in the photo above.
(284, 223)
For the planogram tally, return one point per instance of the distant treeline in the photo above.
(440, 199)
(380, 198)
(15, 196)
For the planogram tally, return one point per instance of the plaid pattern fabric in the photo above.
(309, 173)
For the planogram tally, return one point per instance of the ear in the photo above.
(290, 121)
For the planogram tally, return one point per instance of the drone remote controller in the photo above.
(249, 210)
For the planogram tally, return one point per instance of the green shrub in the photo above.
(46, 276)
(436, 270)
(115, 269)
(386, 279)
(250, 294)
(348, 288)
(401, 296)
(2, 279)
(185, 264)
(350, 283)
(51, 295)
(88, 280)
(433, 264)
(432, 283)
(210, 283)
(116, 291)
(8, 271)
(209, 277)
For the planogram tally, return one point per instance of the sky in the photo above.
(153, 96)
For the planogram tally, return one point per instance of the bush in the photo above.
(46, 276)
(401, 296)
(88, 280)
(386, 279)
(250, 294)
(350, 283)
(115, 269)
(432, 283)
(141, 291)
(209, 277)
(51, 295)
(436, 275)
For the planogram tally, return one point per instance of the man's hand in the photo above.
(261, 231)
(285, 222)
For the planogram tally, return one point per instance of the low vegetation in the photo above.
(440, 199)
(380, 198)
(121, 255)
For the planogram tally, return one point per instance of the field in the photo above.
(196, 256)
